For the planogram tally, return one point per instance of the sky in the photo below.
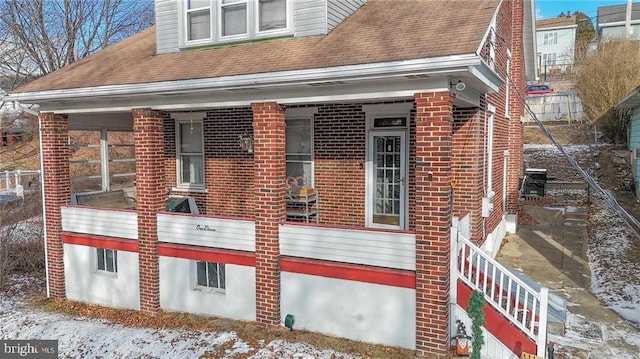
(552, 8)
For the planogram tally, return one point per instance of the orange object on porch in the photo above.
(524, 355)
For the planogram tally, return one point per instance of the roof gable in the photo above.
(380, 31)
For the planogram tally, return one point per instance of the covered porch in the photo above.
(389, 160)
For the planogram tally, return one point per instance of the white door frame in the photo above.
(370, 178)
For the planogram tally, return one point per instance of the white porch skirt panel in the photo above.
(373, 313)
(178, 291)
(84, 283)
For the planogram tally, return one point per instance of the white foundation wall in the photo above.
(361, 311)
(178, 293)
(84, 283)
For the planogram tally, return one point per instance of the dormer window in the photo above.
(233, 16)
(217, 21)
(198, 14)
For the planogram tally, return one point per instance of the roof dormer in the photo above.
(185, 24)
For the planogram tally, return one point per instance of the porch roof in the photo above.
(379, 32)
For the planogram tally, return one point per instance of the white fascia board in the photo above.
(487, 31)
(363, 72)
(553, 28)
(487, 76)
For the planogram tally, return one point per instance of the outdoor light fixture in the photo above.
(246, 143)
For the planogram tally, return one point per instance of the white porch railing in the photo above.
(357, 246)
(100, 221)
(521, 305)
(13, 182)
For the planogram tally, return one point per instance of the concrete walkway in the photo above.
(553, 253)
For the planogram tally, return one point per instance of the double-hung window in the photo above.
(272, 15)
(210, 275)
(550, 38)
(190, 154)
(233, 17)
(107, 260)
(198, 15)
(299, 148)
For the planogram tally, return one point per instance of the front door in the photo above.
(386, 178)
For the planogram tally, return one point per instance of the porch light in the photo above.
(246, 143)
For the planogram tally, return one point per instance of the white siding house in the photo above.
(556, 39)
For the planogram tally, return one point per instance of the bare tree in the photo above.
(41, 36)
(604, 77)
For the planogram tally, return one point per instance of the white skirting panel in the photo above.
(178, 293)
(492, 347)
(84, 283)
(375, 248)
(494, 239)
(100, 222)
(209, 232)
(360, 311)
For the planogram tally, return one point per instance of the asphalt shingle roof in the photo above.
(380, 31)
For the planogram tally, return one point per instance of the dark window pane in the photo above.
(101, 264)
(109, 260)
(201, 269)
(222, 276)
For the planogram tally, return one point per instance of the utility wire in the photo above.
(609, 199)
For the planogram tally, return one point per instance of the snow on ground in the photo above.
(612, 252)
(93, 338)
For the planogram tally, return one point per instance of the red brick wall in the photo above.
(503, 124)
(228, 169)
(54, 141)
(150, 192)
(516, 107)
(269, 182)
(468, 166)
(339, 144)
(434, 118)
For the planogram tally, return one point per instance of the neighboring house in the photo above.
(556, 40)
(412, 146)
(611, 21)
(632, 102)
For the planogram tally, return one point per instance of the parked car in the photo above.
(538, 89)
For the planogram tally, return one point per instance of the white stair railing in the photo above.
(523, 306)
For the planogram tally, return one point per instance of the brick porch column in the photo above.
(434, 117)
(150, 196)
(54, 147)
(269, 180)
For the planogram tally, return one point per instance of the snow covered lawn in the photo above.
(81, 337)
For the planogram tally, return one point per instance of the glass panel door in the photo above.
(387, 198)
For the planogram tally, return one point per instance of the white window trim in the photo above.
(184, 23)
(305, 113)
(491, 111)
(193, 269)
(105, 272)
(507, 115)
(215, 21)
(187, 117)
(371, 113)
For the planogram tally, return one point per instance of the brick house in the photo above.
(407, 131)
